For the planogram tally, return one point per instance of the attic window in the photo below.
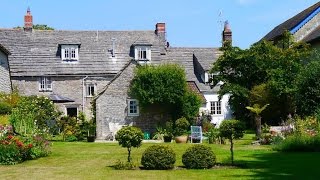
(70, 53)
(143, 54)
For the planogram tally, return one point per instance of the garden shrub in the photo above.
(125, 165)
(299, 143)
(181, 126)
(15, 149)
(158, 157)
(33, 113)
(5, 108)
(198, 157)
(129, 137)
(70, 129)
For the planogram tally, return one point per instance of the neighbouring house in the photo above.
(305, 26)
(5, 82)
(76, 68)
(115, 108)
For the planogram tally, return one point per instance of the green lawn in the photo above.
(82, 160)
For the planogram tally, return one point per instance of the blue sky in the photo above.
(190, 23)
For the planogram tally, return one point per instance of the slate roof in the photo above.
(193, 87)
(291, 23)
(37, 53)
(189, 58)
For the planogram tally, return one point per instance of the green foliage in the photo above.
(191, 103)
(263, 64)
(158, 157)
(14, 149)
(165, 85)
(299, 143)
(159, 84)
(125, 165)
(9, 154)
(38, 27)
(128, 137)
(231, 129)
(5, 108)
(256, 109)
(181, 126)
(308, 94)
(212, 134)
(70, 128)
(198, 157)
(33, 113)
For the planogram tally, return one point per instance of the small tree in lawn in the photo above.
(129, 137)
(257, 110)
(231, 129)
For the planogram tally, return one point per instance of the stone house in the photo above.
(305, 26)
(73, 67)
(5, 83)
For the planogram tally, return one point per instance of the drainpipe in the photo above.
(83, 93)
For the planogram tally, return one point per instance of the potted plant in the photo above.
(181, 130)
(168, 132)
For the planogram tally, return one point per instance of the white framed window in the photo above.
(90, 90)
(45, 84)
(143, 53)
(215, 107)
(133, 107)
(70, 52)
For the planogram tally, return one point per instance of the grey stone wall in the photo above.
(112, 107)
(68, 86)
(5, 84)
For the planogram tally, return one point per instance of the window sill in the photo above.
(133, 115)
(45, 90)
(70, 61)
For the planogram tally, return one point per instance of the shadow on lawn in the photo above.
(278, 165)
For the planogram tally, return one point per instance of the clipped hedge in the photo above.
(198, 157)
(158, 157)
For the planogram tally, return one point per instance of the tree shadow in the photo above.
(279, 165)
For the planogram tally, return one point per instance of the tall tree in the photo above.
(276, 65)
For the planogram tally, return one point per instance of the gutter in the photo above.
(83, 93)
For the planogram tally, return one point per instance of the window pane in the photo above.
(219, 107)
(42, 83)
(66, 53)
(133, 107)
(73, 53)
(48, 83)
(212, 107)
(144, 55)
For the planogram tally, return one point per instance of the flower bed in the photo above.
(16, 149)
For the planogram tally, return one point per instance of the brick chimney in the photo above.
(28, 22)
(161, 32)
(160, 28)
(226, 33)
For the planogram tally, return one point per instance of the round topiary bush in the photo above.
(198, 157)
(158, 157)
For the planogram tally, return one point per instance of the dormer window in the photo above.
(70, 53)
(143, 53)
